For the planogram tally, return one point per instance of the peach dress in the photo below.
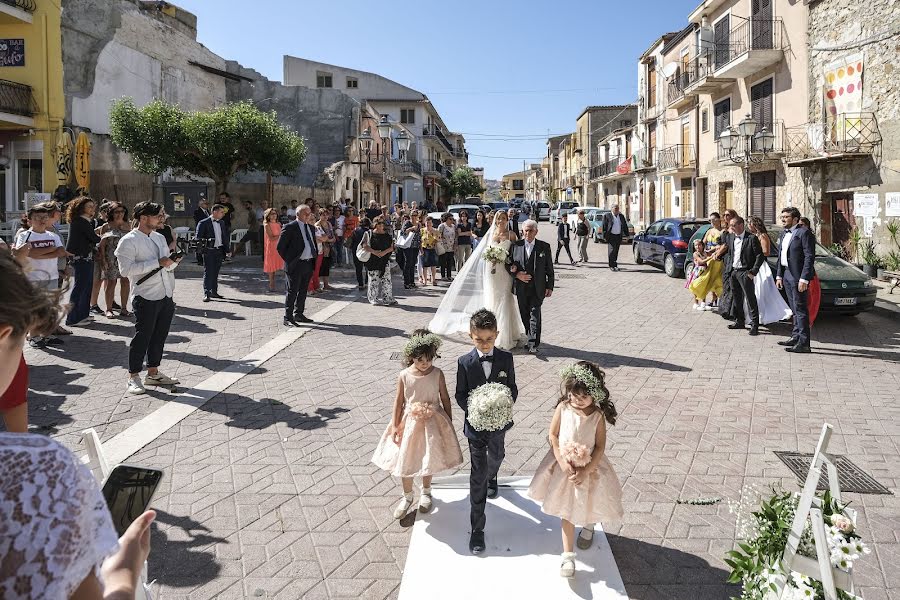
(598, 499)
(429, 443)
(272, 261)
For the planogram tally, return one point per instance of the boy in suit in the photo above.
(482, 365)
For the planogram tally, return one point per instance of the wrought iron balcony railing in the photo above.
(676, 157)
(752, 34)
(411, 166)
(607, 168)
(26, 5)
(431, 166)
(17, 99)
(842, 134)
(433, 131)
(740, 143)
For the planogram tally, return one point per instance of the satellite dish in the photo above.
(669, 69)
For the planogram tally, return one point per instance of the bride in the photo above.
(476, 287)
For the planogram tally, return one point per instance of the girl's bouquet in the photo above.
(495, 255)
(490, 407)
(577, 455)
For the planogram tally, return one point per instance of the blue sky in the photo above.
(504, 73)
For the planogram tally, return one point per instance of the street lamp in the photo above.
(384, 132)
(403, 143)
(745, 146)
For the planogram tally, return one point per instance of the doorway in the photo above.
(842, 221)
(726, 196)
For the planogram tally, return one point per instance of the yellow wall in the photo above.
(43, 71)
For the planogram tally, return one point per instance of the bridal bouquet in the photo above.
(495, 255)
(490, 407)
(577, 455)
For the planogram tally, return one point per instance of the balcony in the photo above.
(433, 132)
(411, 167)
(460, 153)
(17, 104)
(846, 136)
(610, 169)
(675, 158)
(778, 147)
(698, 78)
(650, 112)
(676, 96)
(16, 11)
(433, 168)
(751, 46)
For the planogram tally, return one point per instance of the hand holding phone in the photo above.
(128, 491)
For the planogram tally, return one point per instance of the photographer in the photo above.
(215, 230)
(144, 258)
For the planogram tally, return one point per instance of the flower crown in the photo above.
(421, 341)
(584, 376)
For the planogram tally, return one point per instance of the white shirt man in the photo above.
(529, 247)
(217, 231)
(738, 246)
(616, 224)
(310, 250)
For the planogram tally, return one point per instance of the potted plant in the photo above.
(854, 243)
(870, 259)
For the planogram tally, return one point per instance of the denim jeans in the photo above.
(81, 291)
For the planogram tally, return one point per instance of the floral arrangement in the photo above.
(577, 455)
(490, 407)
(584, 376)
(421, 411)
(757, 562)
(421, 341)
(495, 255)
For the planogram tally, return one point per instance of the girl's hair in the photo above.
(270, 212)
(588, 379)
(757, 224)
(24, 306)
(698, 241)
(76, 207)
(422, 344)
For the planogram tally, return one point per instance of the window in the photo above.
(762, 195)
(352, 83)
(761, 103)
(722, 116)
(625, 123)
(30, 178)
(518, 184)
(323, 80)
(408, 116)
(704, 120)
(651, 86)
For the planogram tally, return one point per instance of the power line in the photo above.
(545, 91)
(508, 157)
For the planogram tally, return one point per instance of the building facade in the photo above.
(512, 185)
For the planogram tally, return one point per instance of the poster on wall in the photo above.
(865, 205)
(892, 204)
(12, 52)
(844, 84)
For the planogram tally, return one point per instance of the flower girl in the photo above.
(576, 481)
(420, 440)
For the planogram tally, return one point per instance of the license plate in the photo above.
(844, 301)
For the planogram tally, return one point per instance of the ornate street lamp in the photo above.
(384, 132)
(403, 143)
(745, 146)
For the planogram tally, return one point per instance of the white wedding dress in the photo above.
(474, 288)
(772, 307)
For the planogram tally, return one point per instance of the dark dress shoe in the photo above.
(799, 349)
(736, 326)
(206, 298)
(290, 323)
(790, 342)
(754, 330)
(493, 492)
(217, 296)
(476, 542)
(302, 319)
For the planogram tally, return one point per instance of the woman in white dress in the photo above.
(772, 307)
(476, 287)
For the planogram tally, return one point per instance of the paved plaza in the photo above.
(269, 492)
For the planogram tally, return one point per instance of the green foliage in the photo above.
(869, 256)
(892, 261)
(893, 227)
(462, 183)
(838, 250)
(854, 242)
(216, 144)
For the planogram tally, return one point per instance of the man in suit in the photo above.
(532, 269)
(796, 268)
(614, 227)
(200, 213)
(513, 223)
(745, 256)
(483, 364)
(297, 247)
(215, 231)
(563, 237)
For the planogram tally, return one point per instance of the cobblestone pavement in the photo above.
(269, 491)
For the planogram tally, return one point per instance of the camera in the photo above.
(193, 245)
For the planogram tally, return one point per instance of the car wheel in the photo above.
(669, 266)
(637, 255)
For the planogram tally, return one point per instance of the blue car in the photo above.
(665, 243)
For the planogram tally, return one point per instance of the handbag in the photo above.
(405, 241)
(362, 255)
(440, 248)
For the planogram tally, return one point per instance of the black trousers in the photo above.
(212, 263)
(560, 244)
(742, 289)
(360, 271)
(446, 260)
(297, 276)
(798, 302)
(530, 309)
(152, 319)
(410, 259)
(486, 454)
(613, 241)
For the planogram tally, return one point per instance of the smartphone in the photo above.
(128, 491)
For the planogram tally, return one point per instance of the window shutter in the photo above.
(722, 116)
(762, 195)
(761, 103)
(720, 39)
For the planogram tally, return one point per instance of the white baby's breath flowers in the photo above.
(490, 407)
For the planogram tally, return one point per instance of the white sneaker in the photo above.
(403, 508)
(160, 379)
(134, 386)
(696, 307)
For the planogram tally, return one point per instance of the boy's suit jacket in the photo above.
(470, 375)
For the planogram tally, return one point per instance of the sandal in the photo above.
(567, 568)
(125, 314)
(402, 509)
(110, 314)
(425, 503)
(585, 538)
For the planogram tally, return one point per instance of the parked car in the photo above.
(543, 211)
(665, 243)
(845, 289)
(596, 219)
(516, 202)
(562, 206)
(495, 206)
(454, 209)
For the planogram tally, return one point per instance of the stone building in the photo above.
(593, 124)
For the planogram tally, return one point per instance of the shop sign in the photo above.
(12, 52)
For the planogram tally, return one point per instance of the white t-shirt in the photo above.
(40, 269)
(292, 213)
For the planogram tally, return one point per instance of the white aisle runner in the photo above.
(522, 558)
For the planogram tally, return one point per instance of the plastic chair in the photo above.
(236, 236)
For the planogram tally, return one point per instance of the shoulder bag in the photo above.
(405, 240)
(363, 255)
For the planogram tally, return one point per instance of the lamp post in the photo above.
(745, 146)
(384, 132)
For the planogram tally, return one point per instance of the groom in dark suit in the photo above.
(532, 269)
(483, 364)
(297, 248)
(796, 268)
(745, 256)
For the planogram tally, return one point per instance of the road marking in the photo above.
(181, 406)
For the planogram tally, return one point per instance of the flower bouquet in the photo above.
(495, 255)
(421, 411)
(577, 455)
(490, 407)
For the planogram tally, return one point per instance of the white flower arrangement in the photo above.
(584, 376)
(501, 374)
(490, 407)
(495, 255)
(420, 341)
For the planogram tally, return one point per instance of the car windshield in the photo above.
(566, 205)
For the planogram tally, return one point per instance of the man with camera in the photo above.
(215, 232)
(144, 258)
